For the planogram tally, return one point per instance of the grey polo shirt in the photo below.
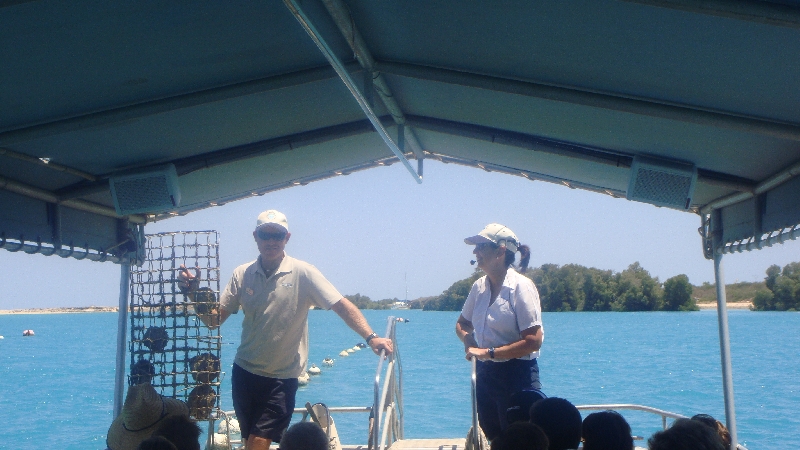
(275, 326)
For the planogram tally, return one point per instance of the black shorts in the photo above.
(263, 405)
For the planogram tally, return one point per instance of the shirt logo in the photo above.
(287, 285)
(249, 291)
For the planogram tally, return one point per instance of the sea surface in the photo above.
(56, 388)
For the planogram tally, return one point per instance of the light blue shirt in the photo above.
(516, 309)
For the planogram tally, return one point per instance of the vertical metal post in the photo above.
(724, 334)
(122, 337)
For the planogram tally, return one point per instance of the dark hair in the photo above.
(717, 426)
(524, 257)
(181, 431)
(520, 404)
(686, 434)
(156, 443)
(521, 436)
(560, 420)
(606, 430)
(304, 436)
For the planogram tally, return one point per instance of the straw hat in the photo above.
(141, 413)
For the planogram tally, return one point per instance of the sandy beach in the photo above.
(84, 309)
(731, 305)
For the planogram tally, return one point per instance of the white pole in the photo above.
(122, 337)
(724, 334)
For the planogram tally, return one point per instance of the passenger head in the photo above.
(142, 413)
(304, 436)
(560, 420)
(520, 405)
(686, 434)
(521, 436)
(181, 431)
(497, 236)
(606, 430)
(156, 443)
(721, 430)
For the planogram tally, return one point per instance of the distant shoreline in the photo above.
(95, 309)
(83, 309)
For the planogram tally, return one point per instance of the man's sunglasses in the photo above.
(264, 236)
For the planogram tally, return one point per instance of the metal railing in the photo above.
(475, 435)
(648, 409)
(387, 408)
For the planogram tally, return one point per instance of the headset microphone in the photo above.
(472, 262)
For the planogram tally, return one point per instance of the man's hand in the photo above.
(378, 343)
(187, 282)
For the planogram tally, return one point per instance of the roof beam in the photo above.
(334, 61)
(766, 12)
(560, 148)
(344, 20)
(224, 156)
(162, 105)
(49, 197)
(604, 100)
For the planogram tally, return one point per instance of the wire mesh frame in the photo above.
(165, 330)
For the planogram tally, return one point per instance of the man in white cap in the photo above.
(275, 292)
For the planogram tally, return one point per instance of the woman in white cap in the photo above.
(501, 325)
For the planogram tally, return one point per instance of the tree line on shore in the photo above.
(573, 287)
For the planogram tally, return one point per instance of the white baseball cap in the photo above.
(272, 217)
(496, 234)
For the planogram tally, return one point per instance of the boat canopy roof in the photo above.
(118, 113)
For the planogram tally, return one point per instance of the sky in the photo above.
(380, 234)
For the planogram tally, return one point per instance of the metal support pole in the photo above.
(122, 337)
(724, 334)
(344, 75)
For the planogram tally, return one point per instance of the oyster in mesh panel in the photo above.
(142, 372)
(205, 301)
(156, 339)
(205, 367)
(201, 401)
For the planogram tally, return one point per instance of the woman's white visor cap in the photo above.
(496, 234)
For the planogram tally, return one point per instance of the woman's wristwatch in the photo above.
(370, 337)
(491, 352)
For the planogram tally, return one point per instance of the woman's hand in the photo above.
(482, 354)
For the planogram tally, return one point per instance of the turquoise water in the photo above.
(56, 387)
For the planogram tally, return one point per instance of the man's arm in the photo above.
(213, 320)
(188, 283)
(358, 323)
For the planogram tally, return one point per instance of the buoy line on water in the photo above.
(305, 377)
